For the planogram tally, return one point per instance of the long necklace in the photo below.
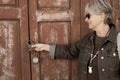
(92, 57)
(90, 68)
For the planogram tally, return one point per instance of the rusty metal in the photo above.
(29, 45)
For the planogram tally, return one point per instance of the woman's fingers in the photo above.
(41, 47)
(35, 45)
(38, 47)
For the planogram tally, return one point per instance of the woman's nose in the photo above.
(86, 19)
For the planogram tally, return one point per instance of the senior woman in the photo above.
(97, 52)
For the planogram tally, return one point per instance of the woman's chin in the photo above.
(90, 27)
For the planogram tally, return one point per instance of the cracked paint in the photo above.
(54, 16)
(35, 36)
(5, 1)
(6, 52)
(66, 30)
(53, 35)
(59, 2)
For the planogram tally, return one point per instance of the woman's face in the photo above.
(94, 21)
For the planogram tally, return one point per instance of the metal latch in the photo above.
(35, 59)
(29, 45)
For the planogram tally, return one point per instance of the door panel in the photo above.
(49, 33)
(14, 58)
(9, 49)
(53, 4)
(54, 29)
(54, 21)
(9, 2)
(116, 7)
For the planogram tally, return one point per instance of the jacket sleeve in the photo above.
(67, 51)
(71, 51)
(52, 51)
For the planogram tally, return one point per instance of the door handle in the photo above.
(35, 60)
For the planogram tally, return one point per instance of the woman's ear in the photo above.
(102, 16)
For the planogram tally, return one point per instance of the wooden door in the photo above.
(116, 8)
(46, 21)
(59, 22)
(14, 58)
(53, 21)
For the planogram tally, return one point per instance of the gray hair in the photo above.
(101, 6)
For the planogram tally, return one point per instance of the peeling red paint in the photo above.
(6, 52)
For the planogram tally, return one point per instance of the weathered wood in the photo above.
(14, 58)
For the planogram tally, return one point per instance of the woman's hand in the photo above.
(41, 47)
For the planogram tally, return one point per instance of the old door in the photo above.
(50, 21)
(14, 58)
(53, 21)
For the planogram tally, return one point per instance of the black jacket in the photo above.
(108, 67)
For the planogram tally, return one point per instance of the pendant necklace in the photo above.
(90, 68)
(92, 57)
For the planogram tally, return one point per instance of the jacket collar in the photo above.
(112, 34)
